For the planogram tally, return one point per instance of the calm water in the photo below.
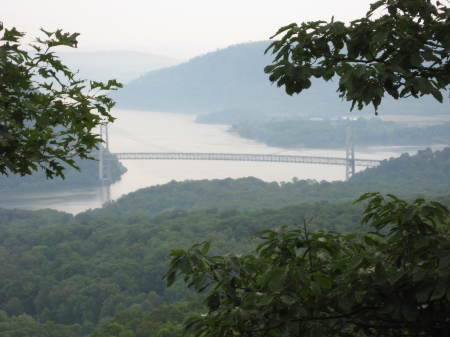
(144, 131)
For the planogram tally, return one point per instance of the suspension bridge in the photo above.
(349, 161)
(246, 157)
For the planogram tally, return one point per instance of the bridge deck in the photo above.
(244, 157)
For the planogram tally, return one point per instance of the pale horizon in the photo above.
(176, 29)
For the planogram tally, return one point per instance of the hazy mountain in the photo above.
(118, 64)
(233, 79)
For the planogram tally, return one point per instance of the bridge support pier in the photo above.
(104, 165)
(349, 154)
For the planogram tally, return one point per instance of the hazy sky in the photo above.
(176, 28)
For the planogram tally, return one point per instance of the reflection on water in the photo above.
(144, 131)
(71, 201)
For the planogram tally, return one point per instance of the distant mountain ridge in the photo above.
(122, 65)
(233, 79)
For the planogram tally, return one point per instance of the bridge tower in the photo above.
(349, 153)
(104, 164)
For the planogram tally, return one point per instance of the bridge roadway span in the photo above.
(244, 157)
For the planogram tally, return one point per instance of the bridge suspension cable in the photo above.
(245, 157)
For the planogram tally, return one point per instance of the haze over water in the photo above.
(145, 131)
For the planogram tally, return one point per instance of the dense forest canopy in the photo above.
(80, 271)
(85, 269)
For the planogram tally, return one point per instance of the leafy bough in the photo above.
(393, 281)
(47, 116)
(401, 47)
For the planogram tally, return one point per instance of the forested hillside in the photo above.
(332, 133)
(426, 170)
(232, 82)
(80, 271)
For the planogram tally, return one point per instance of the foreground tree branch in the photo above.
(47, 115)
(390, 282)
(404, 51)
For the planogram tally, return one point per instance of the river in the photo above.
(145, 131)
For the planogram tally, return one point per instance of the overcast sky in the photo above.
(176, 28)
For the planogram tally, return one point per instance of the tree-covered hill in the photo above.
(428, 170)
(67, 276)
(79, 271)
(233, 79)
(332, 133)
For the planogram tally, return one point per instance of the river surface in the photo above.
(145, 131)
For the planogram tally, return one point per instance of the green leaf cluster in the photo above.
(390, 282)
(401, 47)
(47, 116)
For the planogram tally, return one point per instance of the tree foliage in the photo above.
(390, 282)
(401, 47)
(24, 325)
(47, 115)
